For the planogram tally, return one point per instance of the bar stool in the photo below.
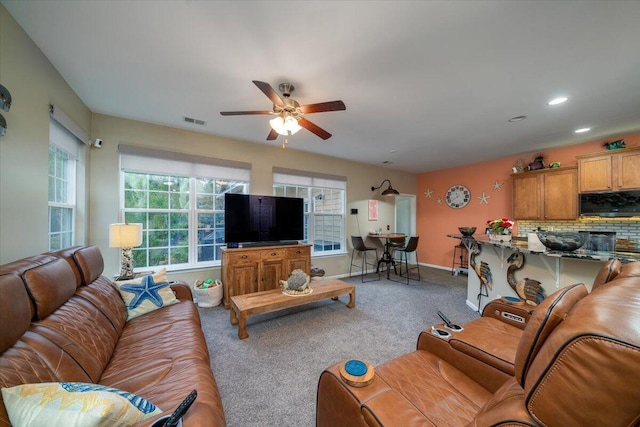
(358, 246)
(461, 259)
(411, 247)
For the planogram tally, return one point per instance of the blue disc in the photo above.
(355, 367)
(512, 299)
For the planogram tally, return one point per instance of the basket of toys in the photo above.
(208, 293)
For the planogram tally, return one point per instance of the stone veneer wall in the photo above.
(625, 228)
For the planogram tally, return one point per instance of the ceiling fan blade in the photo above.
(270, 92)
(323, 106)
(312, 127)
(272, 135)
(242, 113)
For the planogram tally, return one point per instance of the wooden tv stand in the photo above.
(257, 269)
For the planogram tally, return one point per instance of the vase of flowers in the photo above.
(500, 229)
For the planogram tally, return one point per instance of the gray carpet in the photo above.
(270, 378)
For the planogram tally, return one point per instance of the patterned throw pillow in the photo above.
(74, 404)
(145, 294)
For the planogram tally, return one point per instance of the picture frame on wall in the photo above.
(373, 210)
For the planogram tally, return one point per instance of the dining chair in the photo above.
(404, 252)
(358, 246)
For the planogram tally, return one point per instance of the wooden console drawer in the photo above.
(243, 258)
(298, 252)
(273, 254)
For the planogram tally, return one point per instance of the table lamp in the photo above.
(125, 236)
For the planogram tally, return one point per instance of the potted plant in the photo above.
(500, 229)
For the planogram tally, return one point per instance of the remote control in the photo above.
(181, 409)
(445, 319)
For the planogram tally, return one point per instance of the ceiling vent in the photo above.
(195, 121)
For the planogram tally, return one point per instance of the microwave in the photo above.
(618, 204)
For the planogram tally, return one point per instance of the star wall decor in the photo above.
(428, 193)
(497, 185)
(439, 201)
(484, 198)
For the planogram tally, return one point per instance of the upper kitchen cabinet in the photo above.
(616, 170)
(548, 194)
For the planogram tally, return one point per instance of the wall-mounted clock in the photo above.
(458, 196)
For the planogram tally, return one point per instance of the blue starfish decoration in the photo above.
(146, 290)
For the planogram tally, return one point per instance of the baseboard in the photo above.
(473, 307)
(439, 267)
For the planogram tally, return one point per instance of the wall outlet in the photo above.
(354, 211)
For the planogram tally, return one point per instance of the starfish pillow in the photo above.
(145, 294)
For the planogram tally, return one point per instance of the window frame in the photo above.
(214, 172)
(314, 185)
(68, 201)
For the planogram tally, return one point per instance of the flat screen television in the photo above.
(251, 219)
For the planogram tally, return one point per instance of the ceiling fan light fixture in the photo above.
(285, 125)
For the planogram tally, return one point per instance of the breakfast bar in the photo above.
(553, 269)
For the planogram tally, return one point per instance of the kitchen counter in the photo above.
(553, 269)
(523, 246)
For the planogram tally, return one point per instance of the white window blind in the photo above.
(138, 159)
(308, 179)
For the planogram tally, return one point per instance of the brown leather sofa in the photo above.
(577, 363)
(63, 321)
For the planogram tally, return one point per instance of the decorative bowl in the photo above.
(467, 231)
(565, 241)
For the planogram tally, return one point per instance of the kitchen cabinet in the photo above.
(548, 194)
(255, 269)
(617, 170)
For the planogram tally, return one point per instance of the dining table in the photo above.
(386, 257)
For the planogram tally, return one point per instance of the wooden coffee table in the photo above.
(247, 305)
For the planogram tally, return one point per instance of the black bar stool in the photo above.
(460, 259)
(358, 246)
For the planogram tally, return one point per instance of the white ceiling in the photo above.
(435, 81)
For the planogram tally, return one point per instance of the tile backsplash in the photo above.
(625, 228)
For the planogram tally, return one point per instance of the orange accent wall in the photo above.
(435, 221)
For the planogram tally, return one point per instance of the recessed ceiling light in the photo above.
(583, 130)
(517, 118)
(393, 151)
(558, 100)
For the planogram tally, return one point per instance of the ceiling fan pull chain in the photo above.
(285, 142)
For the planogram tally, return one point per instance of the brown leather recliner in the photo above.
(490, 342)
(577, 364)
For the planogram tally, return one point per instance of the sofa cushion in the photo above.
(50, 286)
(14, 310)
(90, 262)
(74, 404)
(438, 390)
(146, 294)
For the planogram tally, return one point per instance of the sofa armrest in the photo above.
(182, 290)
(511, 314)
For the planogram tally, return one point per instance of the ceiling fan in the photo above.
(289, 113)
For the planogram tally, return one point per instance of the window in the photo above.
(182, 213)
(63, 148)
(324, 201)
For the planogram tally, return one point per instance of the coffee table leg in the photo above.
(233, 317)
(242, 327)
(352, 298)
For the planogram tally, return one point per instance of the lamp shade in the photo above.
(125, 235)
